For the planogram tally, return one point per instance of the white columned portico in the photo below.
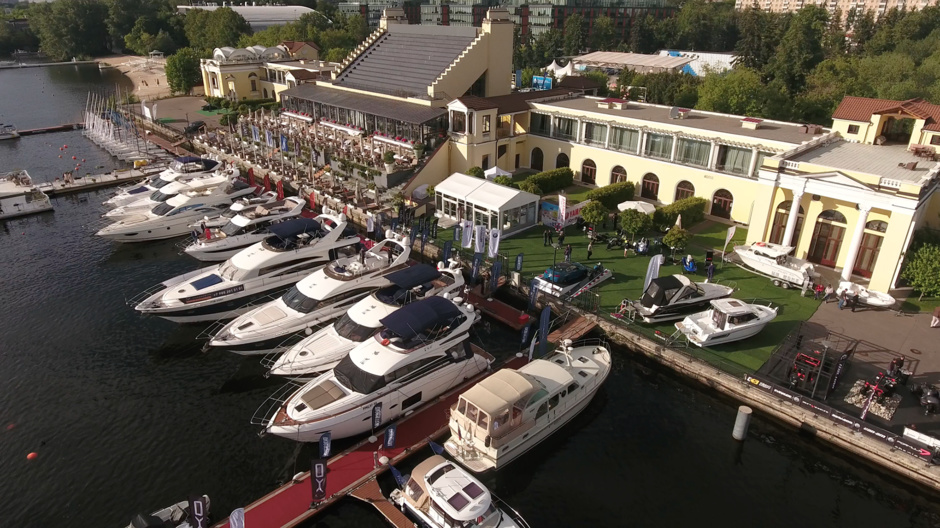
(856, 243)
(791, 218)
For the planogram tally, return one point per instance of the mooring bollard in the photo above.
(741, 423)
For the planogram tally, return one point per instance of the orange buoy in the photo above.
(73, 157)
(60, 155)
(83, 160)
(11, 426)
(32, 456)
(65, 146)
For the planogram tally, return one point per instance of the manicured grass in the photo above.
(712, 235)
(576, 193)
(925, 305)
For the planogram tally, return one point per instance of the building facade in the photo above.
(258, 72)
(876, 7)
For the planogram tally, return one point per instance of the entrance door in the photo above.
(827, 238)
(867, 254)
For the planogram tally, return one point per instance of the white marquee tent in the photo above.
(495, 206)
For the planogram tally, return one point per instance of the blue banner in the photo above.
(394, 224)
(526, 330)
(399, 478)
(198, 512)
(424, 240)
(414, 234)
(254, 133)
(544, 323)
(533, 293)
(475, 274)
(326, 445)
(519, 262)
(269, 138)
(448, 246)
(285, 147)
(456, 233)
(390, 434)
(494, 275)
(434, 229)
(377, 415)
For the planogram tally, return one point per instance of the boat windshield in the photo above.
(162, 209)
(354, 378)
(231, 229)
(295, 300)
(158, 182)
(231, 272)
(160, 196)
(230, 213)
(352, 330)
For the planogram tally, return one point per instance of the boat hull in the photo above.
(25, 211)
(225, 307)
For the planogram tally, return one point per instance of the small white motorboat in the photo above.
(726, 321)
(441, 494)
(18, 196)
(184, 514)
(8, 132)
(866, 296)
(774, 261)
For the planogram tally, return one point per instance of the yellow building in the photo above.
(258, 72)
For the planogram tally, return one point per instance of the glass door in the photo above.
(867, 255)
(827, 239)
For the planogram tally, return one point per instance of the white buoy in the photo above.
(741, 423)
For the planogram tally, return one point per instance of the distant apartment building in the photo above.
(877, 7)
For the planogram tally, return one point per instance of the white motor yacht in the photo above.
(294, 249)
(510, 412)
(206, 184)
(18, 196)
(674, 297)
(8, 132)
(324, 349)
(184, 514)
(421, 353)
(245, 203)
(726, 321)
(441, 494)
(316, 300)
(775, 262)
(246, 228)
(180, 169)
(172, 218)
(866, 296)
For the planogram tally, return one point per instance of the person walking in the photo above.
(561, 238)
(567, 252)
(828, 293)
(854, 301)
(843, 296)
(551, 240)
(545, 237)
(935, 320)
(709, 271)
(590, 249)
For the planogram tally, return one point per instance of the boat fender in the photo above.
(761, 244)
(385, 342)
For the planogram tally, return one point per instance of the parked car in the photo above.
(565, 273)
(193, 127)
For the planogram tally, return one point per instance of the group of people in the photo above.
(844, 298)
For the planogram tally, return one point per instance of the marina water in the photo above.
(127, 414)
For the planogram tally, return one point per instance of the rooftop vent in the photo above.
(617, 104)
(911, 165)
(678, 113)
(752, 123)
(811, 129)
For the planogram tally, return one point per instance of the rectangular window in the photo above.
(658, 146)
(541, 124)
(692, 152)
(564, 128)
(624, 139)
(254, 85)
(501, 150)
(853, 129)
(595, 134)
(486, 162)
(935, 139)
(486, 124)
(734, 160)
(458, 122)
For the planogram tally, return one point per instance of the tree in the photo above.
(603, 34)
(800, 49)
(600, 78)
(182, 70)
(739, 91)
(575, 34)
(642, 35)
(635, 222)
(70, 28)
(922, 270)
(594, 213)
(476, 172)
(502, 180)
(207, 30)
(677, 238)
(834, 39)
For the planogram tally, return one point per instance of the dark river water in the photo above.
(127, 414)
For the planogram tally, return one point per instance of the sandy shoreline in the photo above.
(147, 77)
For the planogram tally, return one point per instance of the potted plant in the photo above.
(419, 150)
(389, 159)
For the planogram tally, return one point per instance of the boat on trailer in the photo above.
(726, 321)
(775, 262)
(866, 296)
(674, 297)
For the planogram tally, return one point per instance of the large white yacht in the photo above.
(180, 169)
(510, 412)
(726, 321)
(294, 249)
(246, 228)
(675, 296)
(18, 196)
(173, 217)
(318, 299)
(774, 261)
(441, 494)
(324, 349)
(244, 203)
(420, 354)
(205, 185)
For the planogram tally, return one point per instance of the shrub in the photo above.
(612, 194)
(530, 187)
(692, 210)
(503, 180)
(388, 157)
(476, 172)
(553, 180)
(635, 222)
(922, 270)
(594, 213)
(677, 238)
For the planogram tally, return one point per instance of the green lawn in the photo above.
(627, 282)
(925, 305)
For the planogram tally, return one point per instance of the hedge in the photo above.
(692, 210)
(553, 180)
(613, 194)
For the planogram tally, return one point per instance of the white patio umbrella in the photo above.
(643, 207)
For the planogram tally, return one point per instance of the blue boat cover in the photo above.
(290, 229)
(413, 319)
(205, 282)
(137, 190)
(414, 276)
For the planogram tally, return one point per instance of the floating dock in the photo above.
(97, 181)
(574, 329)
(47, 130)
(290, 505)
(502, 312)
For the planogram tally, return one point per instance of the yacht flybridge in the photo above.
(246, 228)
(325, 348)
(181, 169)
(244, 203)
(18, 196)
(511, 411)
(173, 217)
(204, 186)
(674, 296)
(728, 320)
(441, 494)
(420, 354)
(294, 249)
(774, 261)
(319, 298)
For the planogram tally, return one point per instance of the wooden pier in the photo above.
(98, 181)
(290, 505)
(46, 130)
(502, 312)
(371, 493)
(574, 329)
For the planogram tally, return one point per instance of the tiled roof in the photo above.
(370, 104)
(519, 101)
(579, 83)
(862, 108)
(293, 46)
(304, 75)
(473, 102)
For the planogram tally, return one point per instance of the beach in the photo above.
(147, 75)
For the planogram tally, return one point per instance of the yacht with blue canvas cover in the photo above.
(325, 348)
(422, 352)
(180, 170)
(295, 249)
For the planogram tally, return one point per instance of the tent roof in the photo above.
(496, 171)
(484, 193)
(499, 391)
(413, 319)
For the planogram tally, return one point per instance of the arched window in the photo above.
(832, 215)
(536, 160)
(877, 225)
(265, 93)
(684, 189)
(588, 171)
(721, 204)
(780, 224)
(562, 161)
(650, 186)
(618, 174)
(827, 238)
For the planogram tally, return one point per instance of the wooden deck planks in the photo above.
(573, 329)
(371, 493)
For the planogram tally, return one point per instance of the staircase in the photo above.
(368, 42)
(454, 63)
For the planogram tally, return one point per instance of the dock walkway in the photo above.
(48, 129)
(574, 329)
(371, 493)
(97, 181)
(502, 312)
